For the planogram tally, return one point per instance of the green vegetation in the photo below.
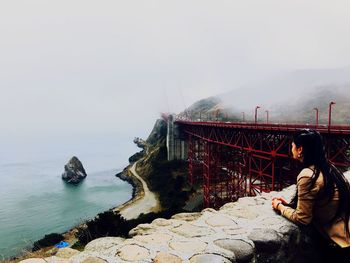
(112, 224)
(78, 246)
(158, 133)
(137, 156)
(168, 179)
(105, 224)
(47, 241)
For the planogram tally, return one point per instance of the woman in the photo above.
(322, 197)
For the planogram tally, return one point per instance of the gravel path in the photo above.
(148, 203)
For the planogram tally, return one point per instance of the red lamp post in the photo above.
(256, 114)
(316, 109)
(243, 117)
(267, 116)
(330, 114)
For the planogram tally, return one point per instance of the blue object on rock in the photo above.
(62, 244)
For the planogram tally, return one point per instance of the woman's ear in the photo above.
(300, 149)
(300, 152)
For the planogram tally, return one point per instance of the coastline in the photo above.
(137, 189)
(69, 236)
(145, 202)
(137, 194)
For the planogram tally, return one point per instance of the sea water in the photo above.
(34, 199)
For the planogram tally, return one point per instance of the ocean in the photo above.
(34, 199)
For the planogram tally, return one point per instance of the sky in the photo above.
(90, 67)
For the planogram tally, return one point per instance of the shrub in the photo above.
(111, 224)
(47, 241)
(168, 178)
(137, 156)
(105, 224)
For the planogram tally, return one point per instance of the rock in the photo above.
(142, 229)
(220, 221)
(74, 171)
(188, 246)
(66, 252)
(133, 253)
(161, 222)
(209, 258)
(93, 260)
(140, 143)
(186, 216)
(103, 243)
(188, 230)
(55, 259)
(266, 240)
(243, 251)
(236, 231)
(243, 212)
(155, 239)
(163, 257)
(33, 260)
(159, 131)
(46, 260)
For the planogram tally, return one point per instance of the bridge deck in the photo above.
(333, 129)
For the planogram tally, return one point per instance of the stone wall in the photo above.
(245, 231)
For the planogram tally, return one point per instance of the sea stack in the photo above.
(74, 171)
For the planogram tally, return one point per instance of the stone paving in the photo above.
(245, 231)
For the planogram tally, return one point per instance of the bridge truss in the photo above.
(233, 160)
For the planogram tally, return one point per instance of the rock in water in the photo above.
(74, 171)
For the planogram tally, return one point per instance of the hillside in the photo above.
(166, 178)
(289, 98)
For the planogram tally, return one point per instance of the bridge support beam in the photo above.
(176, 145)
(338, 151)
(223, 174)
(195, 156)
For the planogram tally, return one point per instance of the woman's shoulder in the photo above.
(306, 172)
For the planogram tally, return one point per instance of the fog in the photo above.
(291, 89)
(91, 67)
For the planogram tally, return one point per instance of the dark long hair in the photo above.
(314, 154)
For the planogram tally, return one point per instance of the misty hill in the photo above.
(211, 108)
(288, 98)
(302, 110)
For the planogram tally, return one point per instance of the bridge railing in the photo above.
(337, 129)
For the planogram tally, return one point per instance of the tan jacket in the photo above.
(312, 208)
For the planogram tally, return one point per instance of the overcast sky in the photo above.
(87, 67)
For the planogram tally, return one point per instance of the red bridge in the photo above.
(233, 160)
